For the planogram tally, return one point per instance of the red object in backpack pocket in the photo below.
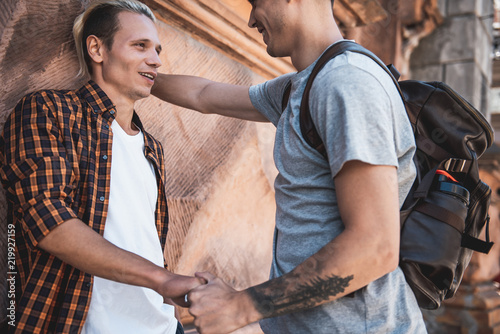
(442, 172)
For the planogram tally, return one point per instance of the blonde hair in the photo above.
(100, 18)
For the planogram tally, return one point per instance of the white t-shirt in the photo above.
(130, 225)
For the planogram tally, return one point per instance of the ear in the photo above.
(95, 48)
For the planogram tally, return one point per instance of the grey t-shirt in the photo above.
(359, 115)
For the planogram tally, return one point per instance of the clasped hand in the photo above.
(218, 308)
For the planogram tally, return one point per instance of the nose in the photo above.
(251, 20)
(154, 59)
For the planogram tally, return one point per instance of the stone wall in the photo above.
(394, 38)
(459, 51)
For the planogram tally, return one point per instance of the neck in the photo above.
(125, 121)
(313, 38)
(124, 107)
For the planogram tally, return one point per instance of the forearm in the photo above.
(367, 249)
(78, 245)
(346, 264)
(338, 269)
(206, 96)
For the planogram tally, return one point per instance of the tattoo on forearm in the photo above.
(280, 296)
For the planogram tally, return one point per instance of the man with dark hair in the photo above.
(336, 247)
(85, 190)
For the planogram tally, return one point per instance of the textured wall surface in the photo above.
(459, 52)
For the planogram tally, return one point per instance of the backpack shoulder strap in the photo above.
(286, 96)
(307, 126)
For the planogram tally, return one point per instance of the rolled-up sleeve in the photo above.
(36, 171)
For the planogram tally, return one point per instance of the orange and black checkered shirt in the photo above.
(55, 155)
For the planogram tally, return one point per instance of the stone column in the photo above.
(459, 51)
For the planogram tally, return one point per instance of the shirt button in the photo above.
(112, 112)
(88, 284)
(105, 157)
(106, 126)
(101, 198)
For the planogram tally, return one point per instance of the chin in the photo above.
(143, 94)
(271, 52)
(275, 53)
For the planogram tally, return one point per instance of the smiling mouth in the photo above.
(262, 32)
(147, 75)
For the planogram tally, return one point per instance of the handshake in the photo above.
(215, 306)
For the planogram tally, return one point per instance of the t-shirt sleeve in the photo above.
(267, 97)
(353, 115)
(35, 172)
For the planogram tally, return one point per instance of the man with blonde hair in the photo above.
(85, 188)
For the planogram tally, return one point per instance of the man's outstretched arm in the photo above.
(206, 96)
(81, 247)
(366, 250)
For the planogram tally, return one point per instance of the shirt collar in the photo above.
(100, 102)
(148, 141)
(96, 97)
(137, 121)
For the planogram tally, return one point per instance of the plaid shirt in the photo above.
(55, 156)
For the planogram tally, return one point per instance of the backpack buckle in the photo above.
(455, 165)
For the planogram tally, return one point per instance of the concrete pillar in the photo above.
(459, 51)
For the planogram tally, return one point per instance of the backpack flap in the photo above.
(434, 107)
